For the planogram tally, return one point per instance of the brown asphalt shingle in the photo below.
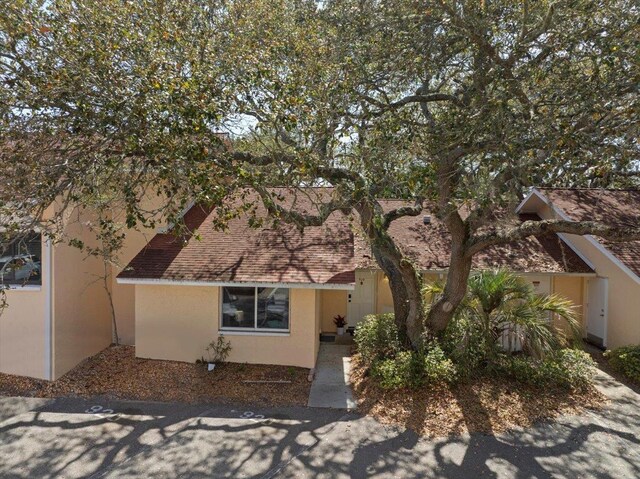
(328, 254)
(280, 254)
(428, 246)
(614, 207)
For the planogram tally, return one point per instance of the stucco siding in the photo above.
(124, 294)
(177, 323)
(23, 326)
(571, 288)
(318, 327)
(623, 321)
(81, 311)
(333, 302)
(384, 299)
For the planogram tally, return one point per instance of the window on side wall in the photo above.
(21, 261)
(255, 309)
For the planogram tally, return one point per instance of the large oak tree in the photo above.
(461, 105)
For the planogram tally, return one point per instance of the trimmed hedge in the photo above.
(571, 368)
(412, 369)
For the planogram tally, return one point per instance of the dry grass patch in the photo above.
(488, 405)
(116, 372)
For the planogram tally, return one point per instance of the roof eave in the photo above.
(259, 284)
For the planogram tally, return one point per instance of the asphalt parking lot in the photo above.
(125, 439)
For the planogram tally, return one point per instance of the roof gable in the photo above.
(269, 254)
(609, 206)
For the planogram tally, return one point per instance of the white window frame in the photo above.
(255, 329)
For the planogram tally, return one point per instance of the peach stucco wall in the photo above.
(623, 321)
(81, 312)
(318, 320)
(177, 322)
(124, 294)
(23, 329)
(333, 302)
(573, 289)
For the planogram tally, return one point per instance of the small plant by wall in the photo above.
(217, 352)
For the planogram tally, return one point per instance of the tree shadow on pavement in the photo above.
(172, 440)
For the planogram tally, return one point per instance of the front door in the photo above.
(361, 301)
(597, 311)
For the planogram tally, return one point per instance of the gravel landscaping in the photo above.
(487, 405)
(117, 373)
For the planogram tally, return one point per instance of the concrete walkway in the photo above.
(330, 386)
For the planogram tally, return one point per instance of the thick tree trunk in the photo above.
(455, 288)
(406, 289)
(404, 280)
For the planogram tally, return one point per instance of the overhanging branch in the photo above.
(297, 218)
(396, 213)
(534, 228)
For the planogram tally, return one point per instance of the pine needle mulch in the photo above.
(116, 372)
(490, 405)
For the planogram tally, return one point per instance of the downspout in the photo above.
(48, 287)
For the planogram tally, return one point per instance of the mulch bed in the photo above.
(117, 373)
(489, 405)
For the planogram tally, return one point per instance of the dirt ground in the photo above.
(488, 405)
(116, 372)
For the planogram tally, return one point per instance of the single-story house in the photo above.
(272, 290)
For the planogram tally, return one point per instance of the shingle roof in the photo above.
(428, 246)
(615, 207)
(320, 255)
(282, 254)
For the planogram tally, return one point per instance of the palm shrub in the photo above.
(502, 307)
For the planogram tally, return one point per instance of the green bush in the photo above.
(569, 368)
(412, 369)
(465, 344)
(376, 338)
(626, 360)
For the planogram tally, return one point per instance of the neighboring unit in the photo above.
(612, 298)
(58, 310)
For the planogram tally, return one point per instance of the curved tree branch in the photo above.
(396, 213)
(534, 228)
(297, 218)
